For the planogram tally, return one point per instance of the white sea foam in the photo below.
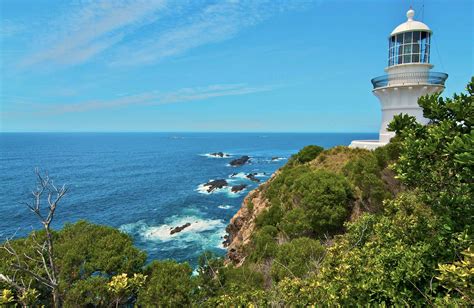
(225, 206)
(240, 175)
(205, 232)
(209, 155)
(198, 225)
(243, 175)
(202, 189)
(227, 190)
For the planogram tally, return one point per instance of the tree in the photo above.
(306, 154)
(168, 284)
(438, 158)
(43, 254)
(85, 257)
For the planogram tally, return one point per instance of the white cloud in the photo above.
(211, 24)
(153, 98)
(145, 31)
(92, 28)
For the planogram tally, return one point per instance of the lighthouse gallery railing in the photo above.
(413, 78)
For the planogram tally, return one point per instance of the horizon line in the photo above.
(185, 132)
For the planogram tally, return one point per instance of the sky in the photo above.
(211, 66)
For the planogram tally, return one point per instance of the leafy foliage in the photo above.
(297, 258)
(83, 251)
(438, 158)
(169, 284)
(306, 154)
(458, 279)
(264, 243)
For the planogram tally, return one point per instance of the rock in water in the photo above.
(237, 188)
(251, 176)
(274, 158)
(216, 184)
(240, 161)
(219, 154)
(180, 228)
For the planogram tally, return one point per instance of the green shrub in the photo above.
(264, 243)
(324, 197)
(241, 279)
(270, 217)
(389, 258)
(297, 258)
(364, 173)
(295, 223)
(250, 206)
(307, 154)
(168, 284)
(92, 291)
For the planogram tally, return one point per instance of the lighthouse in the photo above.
(408, 77)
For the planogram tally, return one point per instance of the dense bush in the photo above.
(401, 248)
(438, 158)
(295, 223)
(364, 174)
(83, 251)
(264, 243)
(306, 154)
(168, 284)
(324, 197)
(297, 258)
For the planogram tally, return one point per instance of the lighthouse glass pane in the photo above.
(407, 59)
(416, 58)
(416, 36)
(416, 48)
(407, 49)
(408, 37)
(400, 38)
(424, 37)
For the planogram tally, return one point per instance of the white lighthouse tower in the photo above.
(408, 77)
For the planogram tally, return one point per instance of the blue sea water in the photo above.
(144, 183)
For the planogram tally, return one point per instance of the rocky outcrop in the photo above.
(240, 161)
(237, 188)
(251, 177)
(180, 228)
(242, 225)
(219, 154)
(215, 184)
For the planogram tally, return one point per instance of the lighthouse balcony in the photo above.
(410, 79)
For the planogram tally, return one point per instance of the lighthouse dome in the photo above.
(409, 42)
(410, 25)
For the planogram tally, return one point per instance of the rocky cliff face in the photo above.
(242, 225)
(368, 191)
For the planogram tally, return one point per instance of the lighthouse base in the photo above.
(367, 144)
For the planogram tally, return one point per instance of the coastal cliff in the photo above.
(364, 194)
(242, 225)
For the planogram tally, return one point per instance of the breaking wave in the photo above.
(204, 232)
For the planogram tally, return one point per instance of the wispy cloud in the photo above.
(153, 98)
(92, 28)
(210, 24)
(146, 31)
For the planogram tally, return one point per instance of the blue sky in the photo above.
(283, 66)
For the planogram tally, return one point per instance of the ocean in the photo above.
(145, 183)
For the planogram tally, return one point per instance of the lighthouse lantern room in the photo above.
(408, 77)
